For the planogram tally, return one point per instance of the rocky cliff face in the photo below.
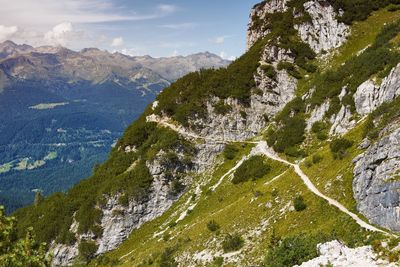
(268, 98)
(376, 170)
(323, 32)
(369, 95)
(119, 220)
(376, 180)
(256, 29)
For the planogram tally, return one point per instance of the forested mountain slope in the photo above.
(289, 156)
(62, 110)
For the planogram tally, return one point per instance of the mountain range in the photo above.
(62, 110)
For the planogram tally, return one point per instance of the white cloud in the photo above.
(224, 55)
(166, 8)
(59, 34)
(7, 32)
(179, 26)
(50, 12)
(117, 42)
(220, 39)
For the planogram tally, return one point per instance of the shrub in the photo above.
(221, 108)
(290, 68)
(294, 152)
(290, 134)
(393, 8)
(172, 224)
(177, 187)
(317, 158)
(319, 126)
(299, 204)
(269, 71)
(87, 250)
(293, 250)
(166, 237)
(230, 151)
(232, 243)
(339, 147)
(213, 226)
(167, 258)
(218, 261)
(19, 252)
(252, 169)
(357, 10)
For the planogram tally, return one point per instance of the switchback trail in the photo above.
(263, 149)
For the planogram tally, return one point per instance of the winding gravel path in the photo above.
(263, 149)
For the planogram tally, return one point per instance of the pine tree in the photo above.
(19, 252)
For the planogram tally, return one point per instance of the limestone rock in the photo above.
(317, 114)
(337, 254)
(244, 121)
(376, 184)
(342, 122)
(324, 32)
(369, 96)
(257, 14)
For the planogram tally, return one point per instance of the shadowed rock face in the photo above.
(376, 181)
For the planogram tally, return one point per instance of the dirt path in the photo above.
(262, 148)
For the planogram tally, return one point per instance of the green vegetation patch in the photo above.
(357, 10)
(339, 147)
(186, 98)
(252, 169)
(232, 242)
(293, 250)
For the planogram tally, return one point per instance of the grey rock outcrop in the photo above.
(317, 114)
(63, 254)
(342, 122)
(246, 121)
(369, 96)
(324, 32)
(118, 220)
(257, 29)
(376, 181)
(365, 97)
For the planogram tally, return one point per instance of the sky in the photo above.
(134, 27)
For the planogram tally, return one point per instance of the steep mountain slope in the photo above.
(61, 111)
(257, 164)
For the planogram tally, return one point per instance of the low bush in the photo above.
(293, 250)
(339, 147)
(221, 108)
(290, 68)
(213, 226)
(299, 204)
(232, 243)
(177, 187)
(230, 151)
(269, 71)
(87, 250)
(317, 158)
(167, 258)
(290, 134)
(252, 169)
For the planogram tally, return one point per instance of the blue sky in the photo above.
(135, 27)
